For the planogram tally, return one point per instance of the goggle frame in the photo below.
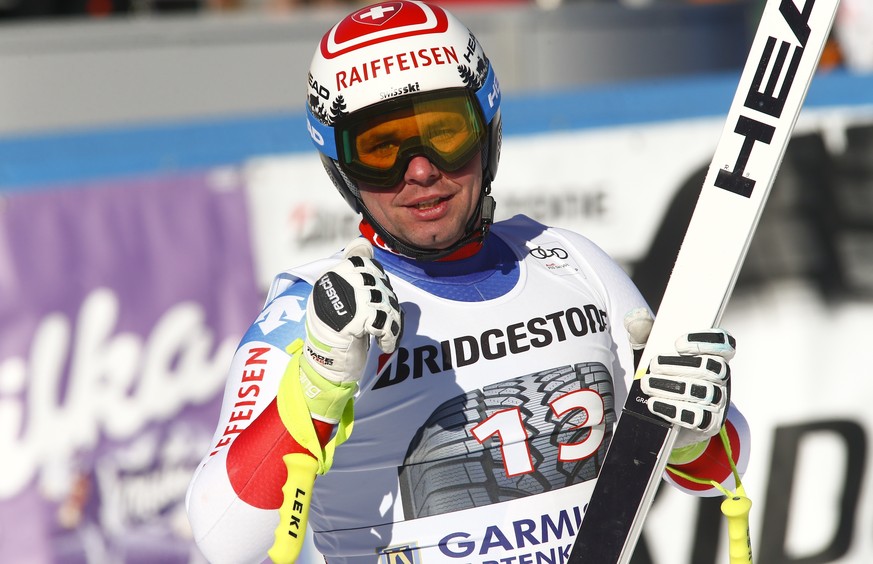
(329, 139)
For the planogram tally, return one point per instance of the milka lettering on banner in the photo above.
(134, 490)
(117, 383)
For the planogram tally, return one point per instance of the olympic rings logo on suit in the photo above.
(541, 253)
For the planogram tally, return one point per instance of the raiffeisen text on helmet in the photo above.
(443, 55)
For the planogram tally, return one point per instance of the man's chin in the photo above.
(434, 242)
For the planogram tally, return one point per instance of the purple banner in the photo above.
(120, 307)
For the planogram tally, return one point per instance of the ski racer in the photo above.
(481, 364)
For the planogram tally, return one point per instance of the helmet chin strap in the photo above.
(474, 234)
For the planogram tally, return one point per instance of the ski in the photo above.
(782, 61)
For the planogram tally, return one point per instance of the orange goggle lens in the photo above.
(376, 150)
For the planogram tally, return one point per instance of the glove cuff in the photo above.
(334, 362)
(688, 453)
(294, 411)
(326, 400)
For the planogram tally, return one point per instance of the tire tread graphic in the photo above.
(446, 469)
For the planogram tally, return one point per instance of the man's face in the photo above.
(428, 208)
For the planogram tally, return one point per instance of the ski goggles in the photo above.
(375, 145)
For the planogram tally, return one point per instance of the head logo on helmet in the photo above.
(395, 53)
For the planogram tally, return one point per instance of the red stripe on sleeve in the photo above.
(254, 460)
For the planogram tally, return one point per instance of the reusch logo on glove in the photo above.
(334, 301)
(332, 296)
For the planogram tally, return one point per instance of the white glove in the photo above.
(691, 389)
(349, 304)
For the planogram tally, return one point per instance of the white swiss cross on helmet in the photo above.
(377, 14)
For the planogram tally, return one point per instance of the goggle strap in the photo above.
(323, 136)
(489, 96)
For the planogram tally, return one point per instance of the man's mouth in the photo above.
(429, 203)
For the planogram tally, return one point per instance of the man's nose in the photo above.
(421, 170)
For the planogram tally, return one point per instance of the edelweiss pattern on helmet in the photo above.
(391, 49)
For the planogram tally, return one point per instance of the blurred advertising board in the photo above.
(121, 306)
